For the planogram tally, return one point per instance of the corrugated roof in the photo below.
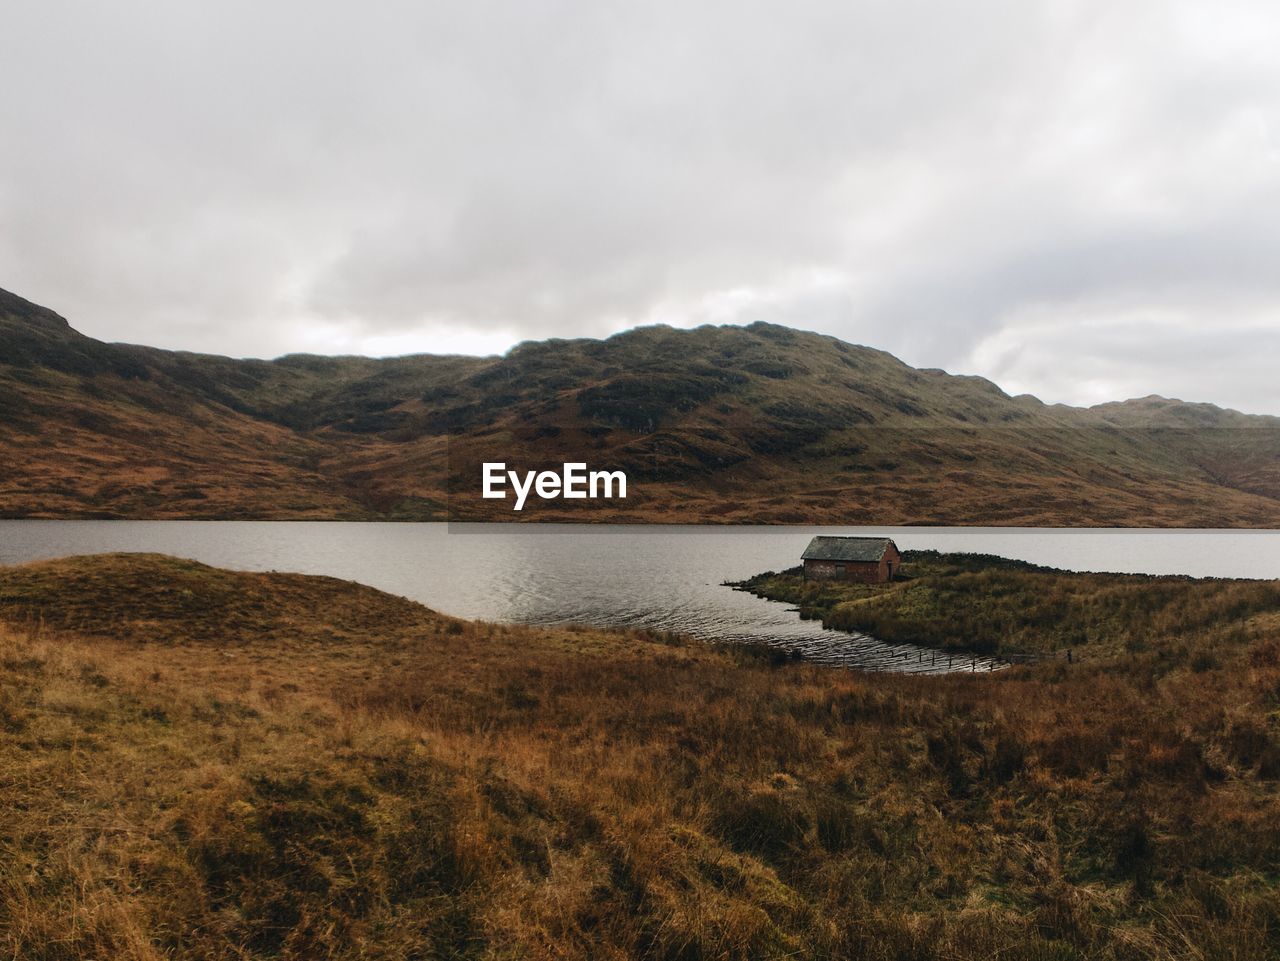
(847, 549)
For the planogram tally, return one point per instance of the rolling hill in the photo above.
(762, 424)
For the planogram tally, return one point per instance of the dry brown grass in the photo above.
(436, 788)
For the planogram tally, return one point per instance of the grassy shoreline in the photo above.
(992, 605)
(197, 763)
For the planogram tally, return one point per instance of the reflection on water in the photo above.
(661, 577)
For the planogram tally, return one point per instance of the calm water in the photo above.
(662, 577)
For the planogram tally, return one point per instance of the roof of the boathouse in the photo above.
(855, 549)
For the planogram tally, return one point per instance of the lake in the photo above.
(662, 577)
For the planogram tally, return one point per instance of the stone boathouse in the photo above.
(867, 560)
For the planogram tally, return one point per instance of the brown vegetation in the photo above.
(203, 764)
(761, 424)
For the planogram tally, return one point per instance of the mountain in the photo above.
(759, 424)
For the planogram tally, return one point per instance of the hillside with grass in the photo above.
(991, 605)
(762, 424)
(199, 763)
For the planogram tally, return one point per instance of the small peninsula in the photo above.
(983, 604)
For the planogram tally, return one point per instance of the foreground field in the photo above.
(196, 763)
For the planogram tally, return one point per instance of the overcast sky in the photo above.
(1080, 200)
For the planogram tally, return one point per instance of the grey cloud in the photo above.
(1100, 351)
(923, 177)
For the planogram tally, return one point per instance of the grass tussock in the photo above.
(443, 789)
(996, 606)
